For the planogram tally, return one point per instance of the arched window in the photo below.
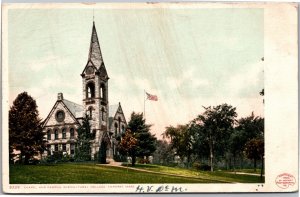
(72, 133)
(49, 134)
(64, 134)
(116, 128)
(119, 120)
(123, 129)
(90, 113)
(102, 92)
(102, 114)
(90, 90)
(55, 134)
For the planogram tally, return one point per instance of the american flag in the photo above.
(151, 97)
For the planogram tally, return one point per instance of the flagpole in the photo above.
(144, 104)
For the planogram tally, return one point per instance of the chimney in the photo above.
(60, 96)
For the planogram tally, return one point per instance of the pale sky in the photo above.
(189, 58)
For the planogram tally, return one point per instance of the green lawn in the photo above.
(88, 173)
(223, 176)
(91, 173)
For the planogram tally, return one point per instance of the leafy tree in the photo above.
(254, 149)
(141, 131)
(236, 143)
(83, 146)
(128, 146)
(163, 154)
(251, 127)
(216, 123)
(181, 140)
(25, 129)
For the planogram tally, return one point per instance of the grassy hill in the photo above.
(91, 173)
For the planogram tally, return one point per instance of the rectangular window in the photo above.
(49, 149)
(72, 133)
(72, 147)
(56, 147)
(64, 147)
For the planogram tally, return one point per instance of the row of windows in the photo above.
(64, 134)
(90, 113)
(90, 91)
(62, 148)
(117, 128)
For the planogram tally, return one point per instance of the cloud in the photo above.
(247, 82)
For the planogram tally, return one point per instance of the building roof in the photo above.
(112, 110)
(95, 55)
(75, 109)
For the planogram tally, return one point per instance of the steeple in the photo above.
(95, 55)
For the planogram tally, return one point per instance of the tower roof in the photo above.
(95, 55)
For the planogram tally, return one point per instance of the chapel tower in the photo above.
(95, 92)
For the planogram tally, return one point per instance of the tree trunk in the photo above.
(211, 158)
(234, 162)
(133, 158)
(262, 168)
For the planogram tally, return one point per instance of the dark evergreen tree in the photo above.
(25, 129)
(83, 144)
(141, 131)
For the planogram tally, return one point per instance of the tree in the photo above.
(248, 128)
(251, 126)
(141, 131)
(181, 141)
(254, 149)
(236, 143)
(164, 153)
(25, 128)
(128, 146)
(216, 123)
(83, 146)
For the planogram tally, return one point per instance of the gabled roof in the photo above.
(75, 109)
(113, 110)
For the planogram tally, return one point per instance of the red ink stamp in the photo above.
(285, 180)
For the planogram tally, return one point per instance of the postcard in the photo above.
(150, 97)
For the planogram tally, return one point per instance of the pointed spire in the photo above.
(95, 55)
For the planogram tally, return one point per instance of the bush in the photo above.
(143, 161)
(120, 158)
(199, 166)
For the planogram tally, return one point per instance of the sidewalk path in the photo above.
(245, 173)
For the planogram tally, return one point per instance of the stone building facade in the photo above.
(107, 121)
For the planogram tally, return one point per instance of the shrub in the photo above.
(143, 161)
(199, 166)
